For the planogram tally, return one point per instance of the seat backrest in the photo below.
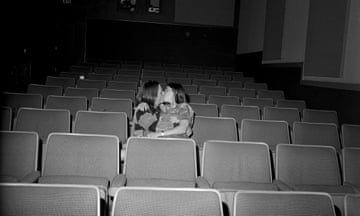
(5, 118)
(316, 134)
(248, 203)
(202, 109)
(191, 89)
(160, 79)
(181, 80)
(273, 94)
(74, 75)
(126, 78)
(89, 93)
(107, 123)
(131, 201)
(18, 153)
(43, 121)
(257, 86)
(351, 165)
(165, 158)
(259, 102)
(129, 72)
(269, 132)
(299, 104)
(320, 116)
(96, 76)
(122, 85)
(112, 105)
(220, 77)
(197, 98)
(230, 84)
(220, 100)
(17, 100)
(212, 90)
(64, 82)
(44, 90)
(240, 112)
(351, 204)
(290, 115)
(198, 76)
(244, 79)
(213, 128)
(242, 93)
(120, 94)
(225, 161)
(106, 70)
(81, 155)
(176, 75)
(39, 199)
(88, 83)
(71, 103)
(307, 165)
(204, 82)
(81, 68)
(350, 135)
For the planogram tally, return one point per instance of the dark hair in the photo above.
(148, 93)
(179, 92)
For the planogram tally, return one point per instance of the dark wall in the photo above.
(187, 44)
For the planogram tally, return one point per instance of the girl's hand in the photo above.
(142, 107)
(153, 135)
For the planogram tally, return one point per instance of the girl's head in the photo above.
(151, 93)
(174, 93)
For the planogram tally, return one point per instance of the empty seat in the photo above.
(220, 77)
(240, 112)
(220, 100)
(73, 75)
(269, 132)
(205, 82)
(129, 72)
(44, 90)
(182, 81)
(242, 93)
(197, 98)
(259, 102)
(159, 162)
(257, 86)
(44, 199)
(71, 103)
(237, 166)
(87, 83)
(212, 128)
(119, 94)
(299, 104)
(42, 121)
(106, 70)
(5, 118)
(126, 78)
(191, 89)
(273, 94)
(212, 90)
(89, 93)
(17, 100)
(248, 203)
(290, 115)
(202, 109)
(95, 76)
(152, 73)
(176, 75)
(112, 105)
(160, 79)
(230, 84)
(80, 68)
(166, 201)
(351, 165)
(309, 168)
(351, 205)
(108, 123)
(19, 156)
(320, 116)
(198, 76)
(316, 134)
(350, 135)
(64, 82)
(244, 79)
(122, 85)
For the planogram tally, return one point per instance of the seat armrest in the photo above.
(31, 177)
(201, 182)
(282, 185)
(117, 182)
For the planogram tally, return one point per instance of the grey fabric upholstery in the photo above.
(352, 205)
(71, 103)
(259, 102)
(112, 105)
(18, 156)
(126, 77)
(88, 83)
(113, 93)
(290, 115)
(162, 202)
(269, 132)
(248, 203)
(121, 85)
(242, 93)
(257, 86)
(191, 89)
(316, 134)
(230, 84)
(273, 94)
(5, 118)
(351, 166)
(43, 121)
(237, 165)
(220, 100)
(350, 135)
(197, 98)
(17, 100)
(98, 76)
(44, 90)
(240, 112)
(210, 110)
(204, 82)
(320, 116)
(89, 93)
(212, 90)
(39, 199)
(212, 128)
(299, 104)
(64, 82)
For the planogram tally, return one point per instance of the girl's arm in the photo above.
(180, 129)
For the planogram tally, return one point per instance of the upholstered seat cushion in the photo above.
(244, 186)
(153, 182)
(332, 189)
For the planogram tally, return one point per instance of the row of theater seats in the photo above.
(30, 199)
(226, 166)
